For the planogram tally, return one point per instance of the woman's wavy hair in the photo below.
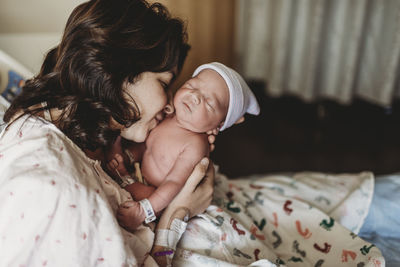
(105, 44)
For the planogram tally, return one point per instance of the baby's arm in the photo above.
(140, 191)
(192, 153)
(132, 216)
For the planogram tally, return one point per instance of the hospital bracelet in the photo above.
(170, 237)
(148, 210)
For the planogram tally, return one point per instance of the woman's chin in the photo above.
(135, 137)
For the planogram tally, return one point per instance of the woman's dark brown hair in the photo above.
(105, 43)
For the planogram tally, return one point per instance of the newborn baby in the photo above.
(215, 98)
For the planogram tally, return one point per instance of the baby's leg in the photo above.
(117, 166)
(140, 191)
(115, 148)
(115, 160)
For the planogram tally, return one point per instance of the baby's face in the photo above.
(201, 104)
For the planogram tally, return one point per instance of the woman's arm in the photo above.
(193, 199)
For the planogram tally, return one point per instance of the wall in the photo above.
(28, 29)
(210, 25)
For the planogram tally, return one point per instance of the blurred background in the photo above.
(326, 74)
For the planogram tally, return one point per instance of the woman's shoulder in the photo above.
(32, 141)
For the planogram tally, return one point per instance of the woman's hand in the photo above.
(194, 197)
(212, 134)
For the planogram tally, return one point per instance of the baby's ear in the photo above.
(240, 120)
(169, 109)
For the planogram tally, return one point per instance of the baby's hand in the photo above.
(130, 215)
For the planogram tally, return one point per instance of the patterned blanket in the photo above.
(306, 219)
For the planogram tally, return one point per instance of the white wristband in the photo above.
(170, 237)
(148, 210)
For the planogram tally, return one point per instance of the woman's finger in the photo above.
(211, 139)
(197, 174)
(212, 147)
(209, 176)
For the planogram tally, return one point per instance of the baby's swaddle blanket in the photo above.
(278, 220)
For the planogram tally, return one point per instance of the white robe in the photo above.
(57, 206)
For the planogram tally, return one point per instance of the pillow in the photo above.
(12, 78)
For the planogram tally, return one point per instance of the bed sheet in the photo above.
(12, 77)
(283, 220)
(382, 225)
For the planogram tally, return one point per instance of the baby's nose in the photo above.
(196, 99)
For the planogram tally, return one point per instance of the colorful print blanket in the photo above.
(283, 220)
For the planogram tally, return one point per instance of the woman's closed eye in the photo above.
(164, 84)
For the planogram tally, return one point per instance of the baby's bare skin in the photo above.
(177, 144)
(170, 156)
(168, 143)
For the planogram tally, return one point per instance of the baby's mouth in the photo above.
(187, 106)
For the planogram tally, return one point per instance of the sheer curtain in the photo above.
(322, 49)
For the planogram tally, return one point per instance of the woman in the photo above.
(107, 77)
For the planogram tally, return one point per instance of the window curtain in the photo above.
(321, 48)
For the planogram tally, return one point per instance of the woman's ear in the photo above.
(240, 120)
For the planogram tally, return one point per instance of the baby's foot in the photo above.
(117, 166)
(130, 215)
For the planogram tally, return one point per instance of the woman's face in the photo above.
(150, 97)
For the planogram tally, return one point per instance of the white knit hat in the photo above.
(241, 98)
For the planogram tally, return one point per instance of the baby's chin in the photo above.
(194, 127)
(190, 124)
